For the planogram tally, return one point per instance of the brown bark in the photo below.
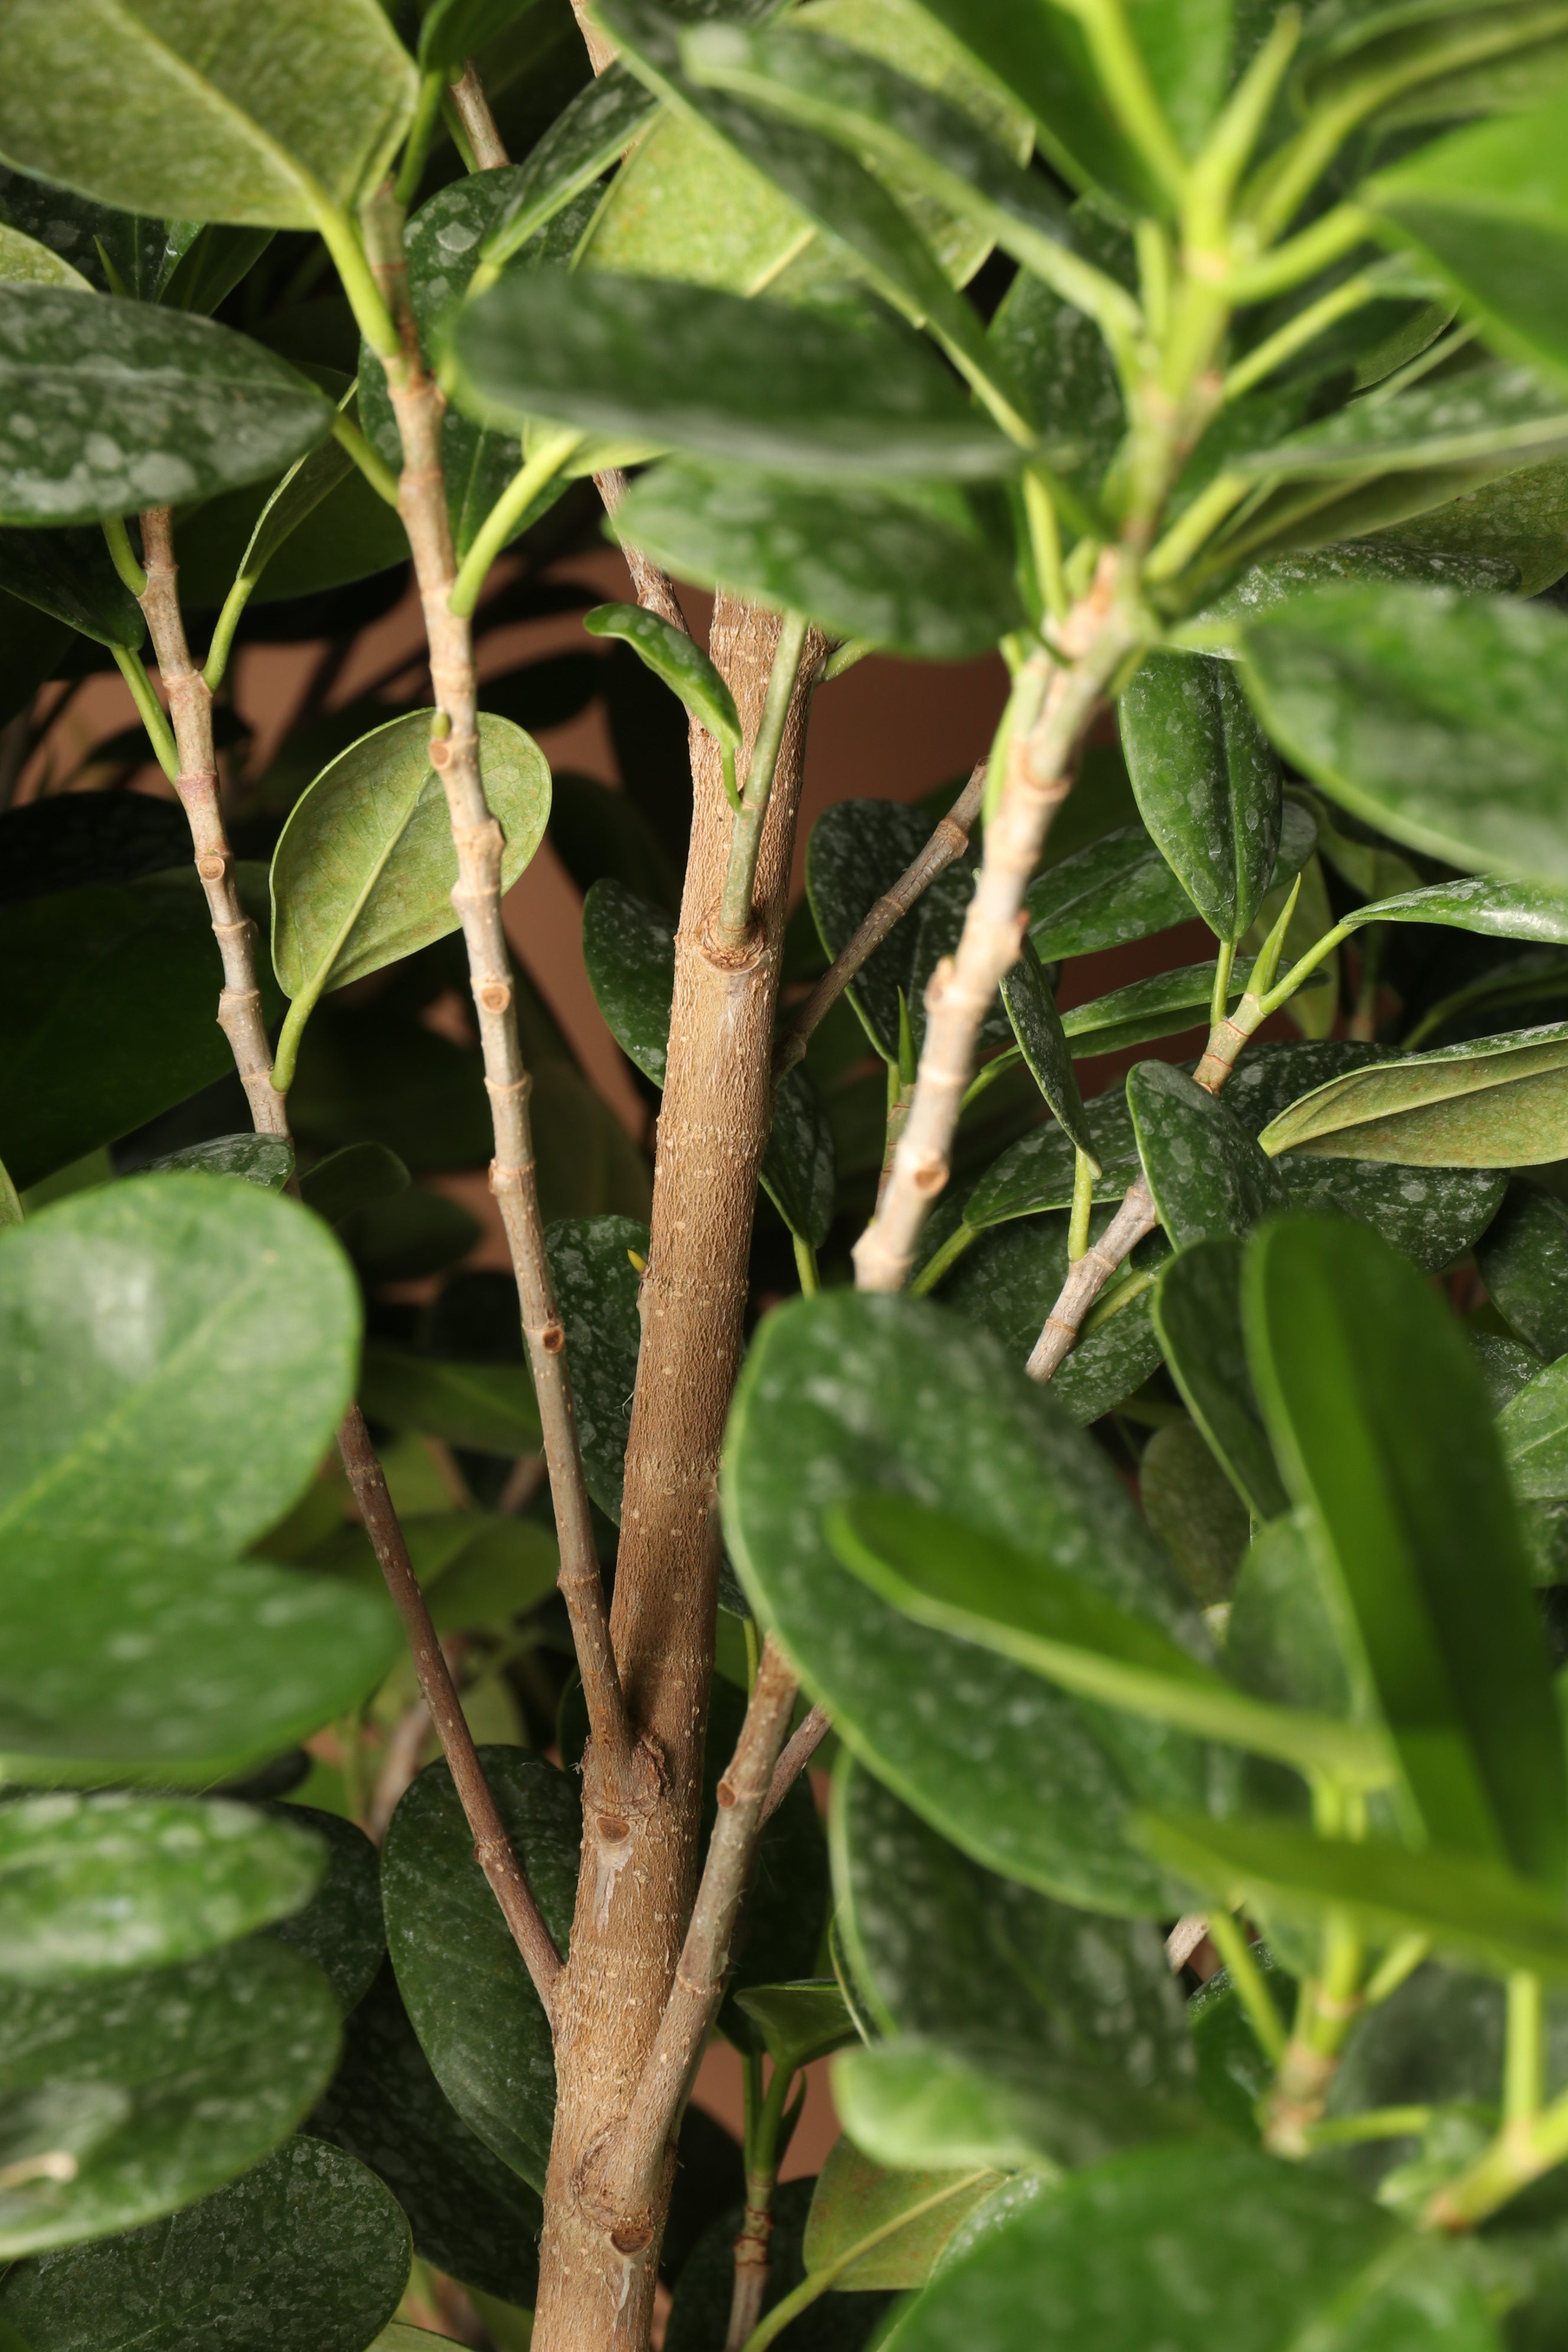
(598, 2265)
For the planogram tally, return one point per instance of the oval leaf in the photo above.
(1492, 1102)
(1207, 783)
(1207, 1176)
(672, 656)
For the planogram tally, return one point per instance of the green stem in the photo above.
(1401, 1960)
(734, 921)
(806, 2292)
(1229, 1939)
(1199, 523)
(805, 1265)
(727, 769)
(1300, 258)
(988, 1072)
(1373, 2123)
(350, 439)
(504, 517)
(1219, 1002)
(123, 555)
(228, 620)
(1303, 329)
(937, 1265)
(151, 711)
(1229, 145)
(1046, 543)
(289, 1038)
(1524, 2061)
(1084, 1172)
(1285, 989)
(1124, 78)
(372, 316)
(427, 114)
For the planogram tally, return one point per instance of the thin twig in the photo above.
(1043, 742)
(654, 589)
(793, 1757)
(418, 403)
(239, 1014)
(949, 842)
(629, 2181)
(472, 110)
(1088, 1276)
(492, 1847)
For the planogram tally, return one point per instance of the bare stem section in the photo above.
(418, 404)
(949, 840)
(492, 1847)
(1087, 1278)
(797, 1754)
(1096, 638)
(654, 589)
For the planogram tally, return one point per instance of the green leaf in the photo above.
(1207, 1176)
(1207, 784)
(673, 657)
(287, 108)
(126, 1311)
(1192, 1509)
(467, 1990)
(25, 262)
(974, 1586)
(1498, 910)
(911, 571)
(1167, 1004)
(94, 1886)
(470, 2215)
(350, 535)
(799, 1170)
(628, 947)
(1489, 207)
(1491, 1102)
(1472, 1909)
(1197, 1314)
(108, 997)
(911, 2103)
(799, 2022)
(195, 409)
(1348, 679)
(1037, 1172)
(308, 2248)
(350, 1178)
(1009, 1279)
(68, 574)
(1001, 1977)
(1523, 1260)
(1283, 1643)
(263, 1160)
(507, 1567)
(1042, 1040)
(488, 1408)
(765, 383)
(1119, 887)
(857, 852)
(364, 872)
(596, 1288)
(341, 1928)
(1533, 1429)
(1519, 518)
(1380, 1425)
(841, 1390)
(1490, 413)
(1270, 2254)
(452, 30)
(158, 2088)
(1067, 384)
(580, 145)
(910, 2217)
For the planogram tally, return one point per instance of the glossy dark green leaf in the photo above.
(1167, 1004)
(855, 2201)
(1198, 1315)
(1194, 1510)
(596, 1288)
(307, 2248)
(94, 1886)
(799, 2022)
(1042, 1040)
(799, 1170)
(452, 30)
(1519, 517)
(346, 535)
(688, 367)
(1037, 1172)
(195, 409)
(350, 1178)
(1491, 1102)
(1281, 1642)
(68, 574)
(1010, 1278)
(175, 125)
(364, 872)
(341, 1928)
(1534, 1429)
(158, 2087)
(1523, 1259)
(910, 569)
(582, 142)
(471, 2213)
(1466, 1907)
(628, 947)
(1207, 784)
(1505, 1364)
(1430, 1214)
(842, 1390)
(128, 1311)
(857, 852)
(1498, 910)
(1063, 2006)
(699, 2315)
(487, 1407)
(109, 996)
(1270, 2254)
(1492, 413)
(263, 1160)
(1489, 206)
(1120, 889)
(1057, 356)
(928, 1565)
(1208, 1177)
(676, 658)
(1349, 680)
(467, 1992)
(1380, 1425)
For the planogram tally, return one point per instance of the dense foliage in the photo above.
(1164, 1503)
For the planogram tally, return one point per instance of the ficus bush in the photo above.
(1158, 1501)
